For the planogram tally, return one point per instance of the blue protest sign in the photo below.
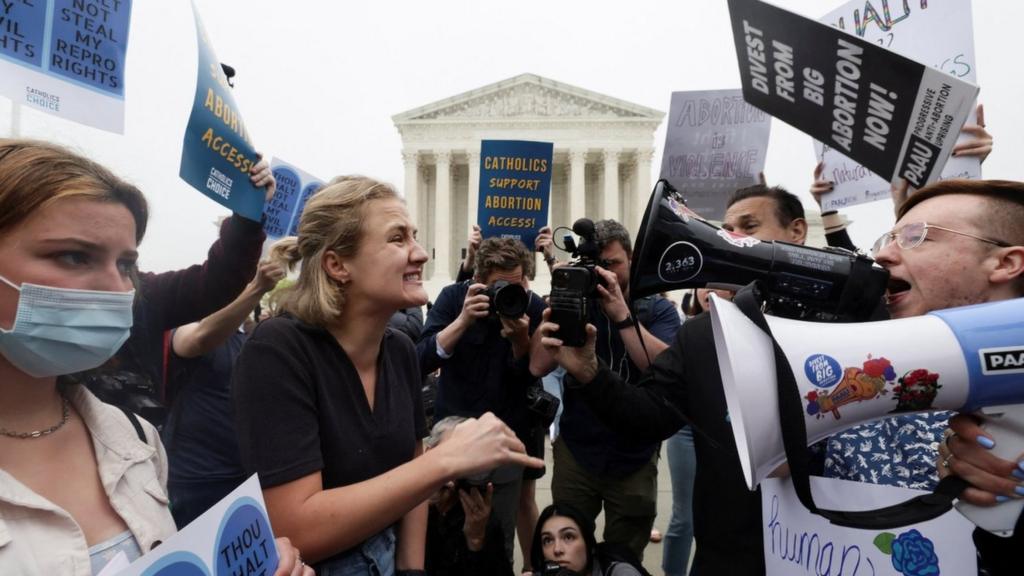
(245, 544)
(218, 151)
(515, 186)
(178, 564)
(294, 187)
(66, 57)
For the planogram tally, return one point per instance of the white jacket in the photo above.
(37, 537)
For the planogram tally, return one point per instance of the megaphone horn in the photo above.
(960, 359)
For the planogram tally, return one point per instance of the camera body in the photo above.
(554, 569)
(543, 404)
(507, 299)
(574, 286)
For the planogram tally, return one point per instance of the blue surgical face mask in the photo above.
(61, 331)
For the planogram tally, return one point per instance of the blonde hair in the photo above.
(331, 221)
(35, 174)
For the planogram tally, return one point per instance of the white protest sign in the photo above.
(714, 145)
(798, 542)
(940, 34)
(232, 537)
(66, 58)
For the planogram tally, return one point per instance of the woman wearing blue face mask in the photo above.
(77, 483)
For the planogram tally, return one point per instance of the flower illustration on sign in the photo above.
(857, 385)
(916, 391)
(912, 553)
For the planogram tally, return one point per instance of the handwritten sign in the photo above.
(798, 542)
(232, 537)
(218, 151)
(515, 186)
(897, 117)
(294, 188)
(939, 34)
(66, 58)
(715, 144)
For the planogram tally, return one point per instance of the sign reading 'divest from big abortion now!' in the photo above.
(515, 186)
(218, 152)
(66, 57)
(935, 33)
(897, 117)
(232, 537)
(715, 144)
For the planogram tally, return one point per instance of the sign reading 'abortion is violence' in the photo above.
(515, 186)
(897, 117)
(66, 57)
(715, 144)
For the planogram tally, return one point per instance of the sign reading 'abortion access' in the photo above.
(515, 186)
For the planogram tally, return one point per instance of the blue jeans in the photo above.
(682, 467)
(374, 557)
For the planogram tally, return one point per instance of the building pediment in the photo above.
(528, 96)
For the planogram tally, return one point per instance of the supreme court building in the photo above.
(603, 148)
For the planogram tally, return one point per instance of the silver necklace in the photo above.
(65, 416)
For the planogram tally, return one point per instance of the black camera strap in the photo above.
(794, 439)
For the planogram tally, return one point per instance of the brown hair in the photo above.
(1003, 210)
(502, 254)
(34, 174)
(332, 220)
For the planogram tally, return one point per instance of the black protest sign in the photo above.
(895, 116)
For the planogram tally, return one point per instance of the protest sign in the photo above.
(715, 144)
(66, 58)
(515, 186)
(232, 537)
(798, 542)
(897, 117)
(939, 34)
(294, 187)
(218, 151)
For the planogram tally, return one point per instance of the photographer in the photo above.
(463, 537)
(484, 356)
(595, 465)
(684, 385)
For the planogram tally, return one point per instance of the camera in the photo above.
(574, 286)
(507, 299)
(554, 569)
(542, 404)
(126, 389)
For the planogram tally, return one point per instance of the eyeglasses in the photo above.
(911, 236)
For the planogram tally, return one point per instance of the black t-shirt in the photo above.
(300, 406)
(200, 433)
(684, 385)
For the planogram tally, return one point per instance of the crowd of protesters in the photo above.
(132, 402)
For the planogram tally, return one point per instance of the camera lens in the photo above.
(509, 300)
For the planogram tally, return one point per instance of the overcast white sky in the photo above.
(319, 81)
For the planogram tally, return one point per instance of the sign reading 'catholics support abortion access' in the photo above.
(897, 117)
(715, 144)
(66, 57)
(218, 151)
(294, 188)
(515, 186)
(936, 33)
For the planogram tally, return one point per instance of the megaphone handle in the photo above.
(1005, 424)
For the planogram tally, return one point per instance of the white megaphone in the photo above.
(962, 359)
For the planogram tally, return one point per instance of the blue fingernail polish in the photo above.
(1018, 473)
(986, 442)
(1020, 464)
(1001, 498)
(1019, 490)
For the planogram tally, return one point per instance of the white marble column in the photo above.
(644, 156)
(443, 216)
(473, 196)
(412, 169)
(610, 202)
(577, 184)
